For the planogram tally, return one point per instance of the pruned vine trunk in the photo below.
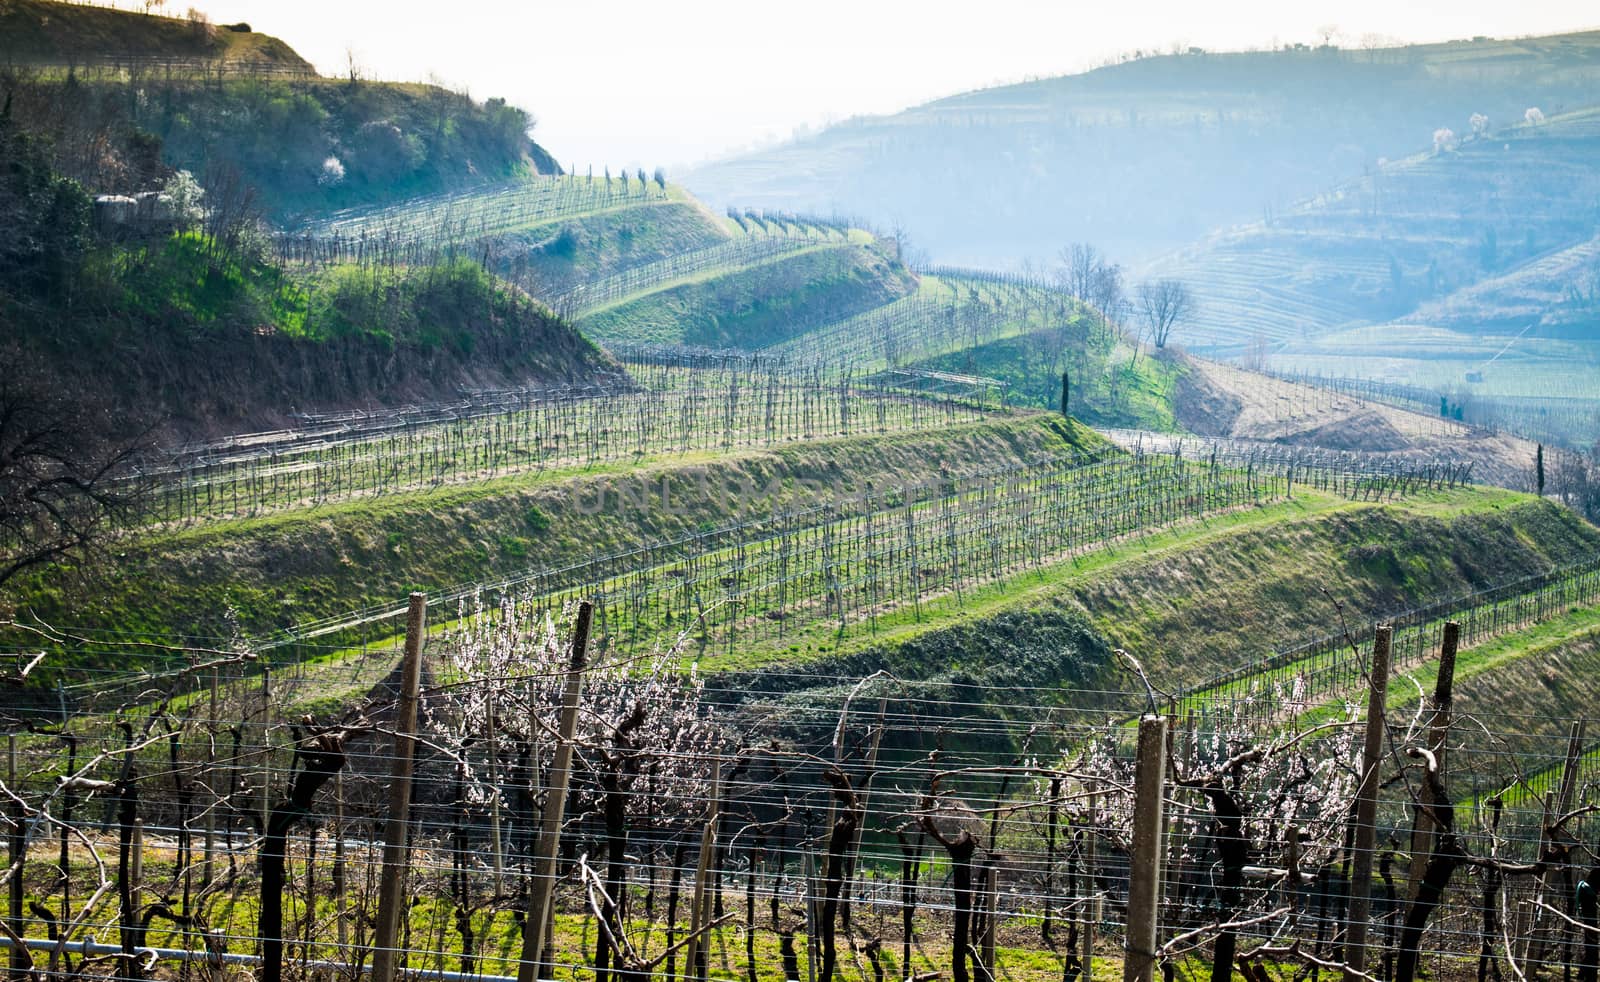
(320, 758)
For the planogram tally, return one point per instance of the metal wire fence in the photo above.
(497, 434)
(223, 823)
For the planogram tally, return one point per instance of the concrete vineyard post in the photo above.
(1144, 871)
(695, 959)
(396, 855)
(1091, 898)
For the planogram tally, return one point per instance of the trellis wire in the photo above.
(532, 431)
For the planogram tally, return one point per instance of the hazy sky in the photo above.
(668, 83)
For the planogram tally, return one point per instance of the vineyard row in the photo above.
(221, 832)
(1287, 682)
(472, 214)
(743, 251)
(916, 327)
(853, 561)
(539, 435)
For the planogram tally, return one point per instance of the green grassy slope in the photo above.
(266, 575)
(1110, 386)
(41, 32)
(589, 248)
(199, 344)
(1200, 599)
(1514, 699)
(1526, 678)
(763, 304)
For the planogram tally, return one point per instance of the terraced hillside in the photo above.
(1146, 156)
(1224, 402)
(633, 261)
(1284, 573)
(761, 301)
(287, 570)
(641, 263)
(986, 540)
(1428, 228)
(1552, 296)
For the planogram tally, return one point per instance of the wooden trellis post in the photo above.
(396, 854)
(1366, 830)
(537, 924)
(699, 915)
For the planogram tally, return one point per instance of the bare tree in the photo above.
(1080, 263)
(1106, 292)
(1090, 278)
(59, 469)
(1162, 305)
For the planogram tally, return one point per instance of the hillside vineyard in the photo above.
(1136, 523)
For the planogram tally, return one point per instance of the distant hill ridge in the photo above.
(1400, 242)
(1145, 156)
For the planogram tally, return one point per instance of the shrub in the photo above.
(332, 172)
(185, 194)
(200, 25)
(384, 152)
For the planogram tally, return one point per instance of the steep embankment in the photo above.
(1144, 156)
(191, 334)
(1203, 600)
(265, 576)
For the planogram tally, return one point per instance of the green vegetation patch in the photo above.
(40, 32)
(1111, 384)
(267, 575)
(302, 145)
(596, 246)
(1200, 599)
(763, 304)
